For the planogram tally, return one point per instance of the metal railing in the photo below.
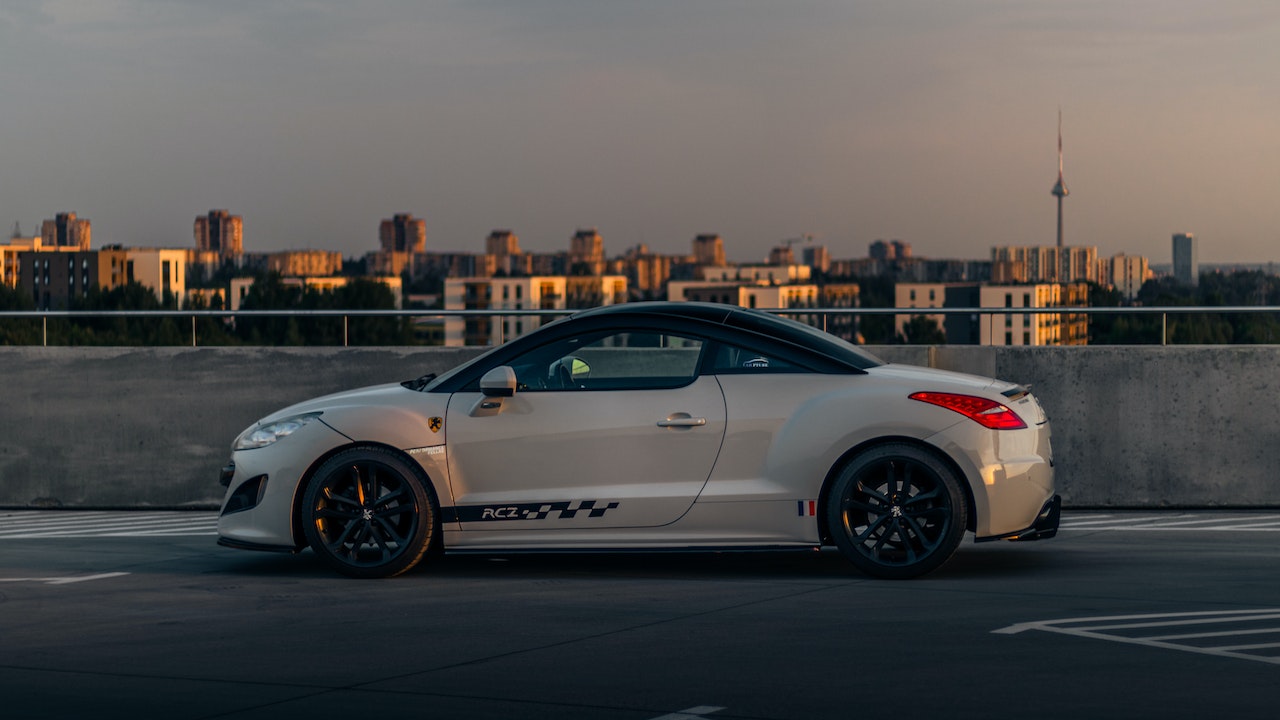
(808, 314)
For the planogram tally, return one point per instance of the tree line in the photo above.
(268, 292)
(1245, 288)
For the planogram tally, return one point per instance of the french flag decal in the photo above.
(807, 508)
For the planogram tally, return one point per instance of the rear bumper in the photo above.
(1044, 527)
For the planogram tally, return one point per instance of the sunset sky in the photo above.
(932, 121)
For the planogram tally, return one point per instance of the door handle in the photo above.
(682, 422)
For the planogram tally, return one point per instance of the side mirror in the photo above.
(499, 382)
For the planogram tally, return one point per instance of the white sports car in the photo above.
(650, 426)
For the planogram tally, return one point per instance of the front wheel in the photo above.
(896, 511)
(368, 513)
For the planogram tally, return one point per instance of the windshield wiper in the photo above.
(420, 383)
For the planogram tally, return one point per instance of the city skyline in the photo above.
(929, 122)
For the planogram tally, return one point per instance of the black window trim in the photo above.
(467, 378)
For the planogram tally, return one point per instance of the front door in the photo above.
(612, 431)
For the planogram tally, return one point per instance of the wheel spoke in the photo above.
(334, 497)
(880, 541)
(918, 534)
(338, 544)
(330, 513)
(390, 531)
(904, 489)
(928, 512)
(862, 489)
(922, 497)
(865, 507)
(391, 497)
(871, 528)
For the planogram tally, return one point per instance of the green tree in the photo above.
(16, 331)
(366, 294)
(136, 330)
(269, 292)
(922, 330)
(211, 330)
(876, 292)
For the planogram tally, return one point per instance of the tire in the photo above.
(369, 513)
(896, 511)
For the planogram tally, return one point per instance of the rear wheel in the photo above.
(896, 511)
(368, 513)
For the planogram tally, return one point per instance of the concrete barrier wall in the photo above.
(150, 427)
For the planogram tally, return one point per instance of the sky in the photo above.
(933, 122)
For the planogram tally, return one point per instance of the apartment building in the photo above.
(1044, 264)
(1034, 328)
(542, 292)
(55, 278)
(998, 329)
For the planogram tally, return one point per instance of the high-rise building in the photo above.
(65, 230)
(889, 250)
(586, 253)
(817, 257)
(220, 232)
(1186, 262)
(1045, 263)
(586, 246)
(782, 255)
(502, 243)
(403, 233)
(1125, 273)
(708, 249)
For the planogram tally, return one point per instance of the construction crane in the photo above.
(803, 238)
(782, 254)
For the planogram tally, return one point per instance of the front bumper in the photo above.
(263, 485)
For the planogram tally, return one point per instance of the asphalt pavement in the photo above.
(1170, 615)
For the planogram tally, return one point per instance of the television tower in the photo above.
(1060, 187)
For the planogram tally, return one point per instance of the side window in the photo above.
(730, 359)
(615, 360)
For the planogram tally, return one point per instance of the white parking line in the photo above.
(693, 713)
(1073, 522)
(1105, 627)
(1184, 522)
(65, 580)
(27, 525)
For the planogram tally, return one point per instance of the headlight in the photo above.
(263, 435)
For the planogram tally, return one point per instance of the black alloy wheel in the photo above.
(369, 513)
(896, 512)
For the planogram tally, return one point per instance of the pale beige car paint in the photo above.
(553, 446)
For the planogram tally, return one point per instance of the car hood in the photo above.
(391, 394)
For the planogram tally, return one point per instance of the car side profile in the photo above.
(650, 426)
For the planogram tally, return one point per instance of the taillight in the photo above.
(987, 413)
